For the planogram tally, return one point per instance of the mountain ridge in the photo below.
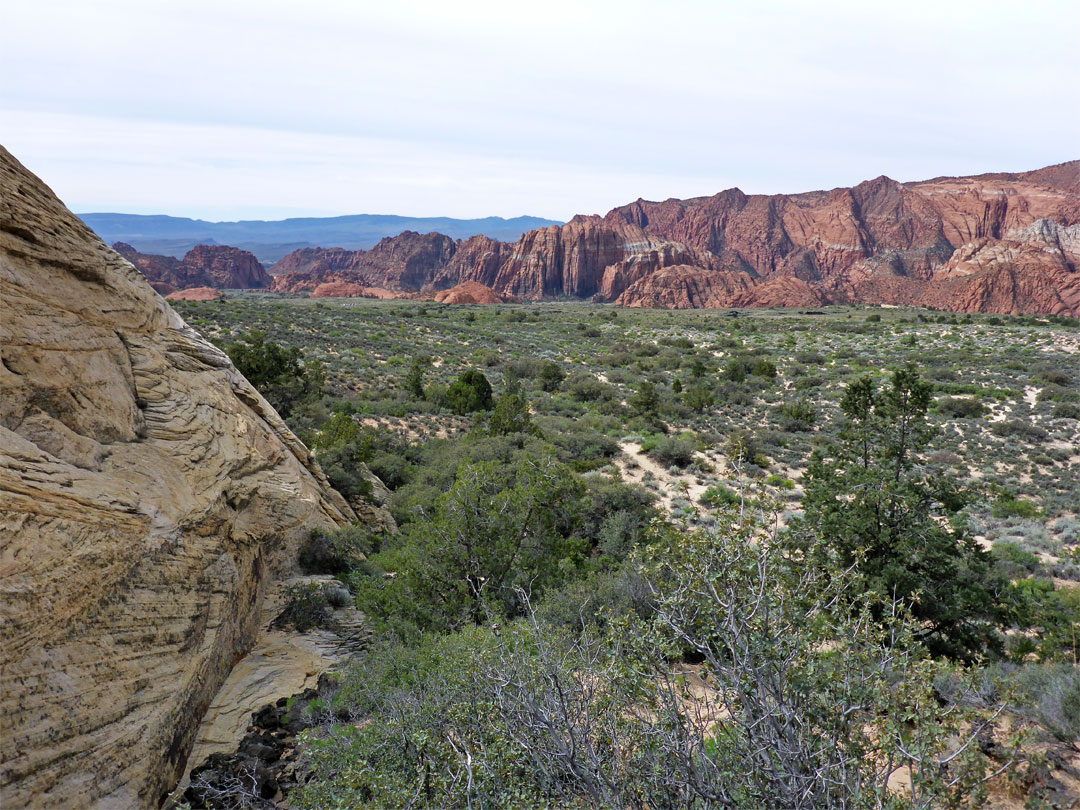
(1000, 242)
(269, 240)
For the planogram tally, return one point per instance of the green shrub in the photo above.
(780, 482)
(306, 607)
(1050, 695)
(698, 398)
(798, 415)
(1008, 505)
(1066, 410)
(1015, 427)
(471, 392)
(1055, 377)
(742, 447)
(719, 495)
(583, 386)
(281, 374)
(338, 551)
(961, 408)
(674, 451)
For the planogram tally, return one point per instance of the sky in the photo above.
(261, 110)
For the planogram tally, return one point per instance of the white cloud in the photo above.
(265, 108)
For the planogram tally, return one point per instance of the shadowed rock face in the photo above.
(211, 266)
(404, 262)
(148, 494)
(880, 242)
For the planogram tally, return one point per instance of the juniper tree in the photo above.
(883, 511)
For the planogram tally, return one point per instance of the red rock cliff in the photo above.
(953, 242)
(218, 266)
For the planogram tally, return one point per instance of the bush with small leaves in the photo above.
(675, 451)
(551, 376)
(337, 551)
(719, 495)
(742, 448)
(1066, 410)
(961, 408)
(798, 415)
(698, 398)
(306, 607)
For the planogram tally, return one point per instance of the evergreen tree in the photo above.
(414, 380)
(280, 374)
(646, 401)
(884, 514)
(470, 392)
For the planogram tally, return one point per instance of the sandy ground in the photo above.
(634, 464)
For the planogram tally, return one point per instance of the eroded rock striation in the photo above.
(215, 266)
(960, 243)
(408, 261)
(148, 495)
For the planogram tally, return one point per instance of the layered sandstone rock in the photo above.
(217, 266)
(148, 495)
(470, 292)
(344, 289)
(587, 257)
(880, 242)
(196, 294)
(306, 281)
(408, 261)
(1034, 269)
(684, 287)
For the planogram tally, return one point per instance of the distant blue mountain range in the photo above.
(270, 240)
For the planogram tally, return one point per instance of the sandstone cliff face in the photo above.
(880, 242)
(301, 281)
(341, 289)
(587, 257)
(879, 226)
(685, 287)
(1034, 269)
(218, 266)
(408, 261)
(148, 494)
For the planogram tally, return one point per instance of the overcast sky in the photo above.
(263, 109)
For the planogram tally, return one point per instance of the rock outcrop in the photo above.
(344, 289)
(880, 242)
(213, 266)
(470, 292)
(889, 242)
(306, 281)
(148, 496)
(408, 261)
(1034, 269)
(196, 294)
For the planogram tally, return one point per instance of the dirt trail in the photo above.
(671, 485)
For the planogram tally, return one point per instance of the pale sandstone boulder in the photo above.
(148, 496)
